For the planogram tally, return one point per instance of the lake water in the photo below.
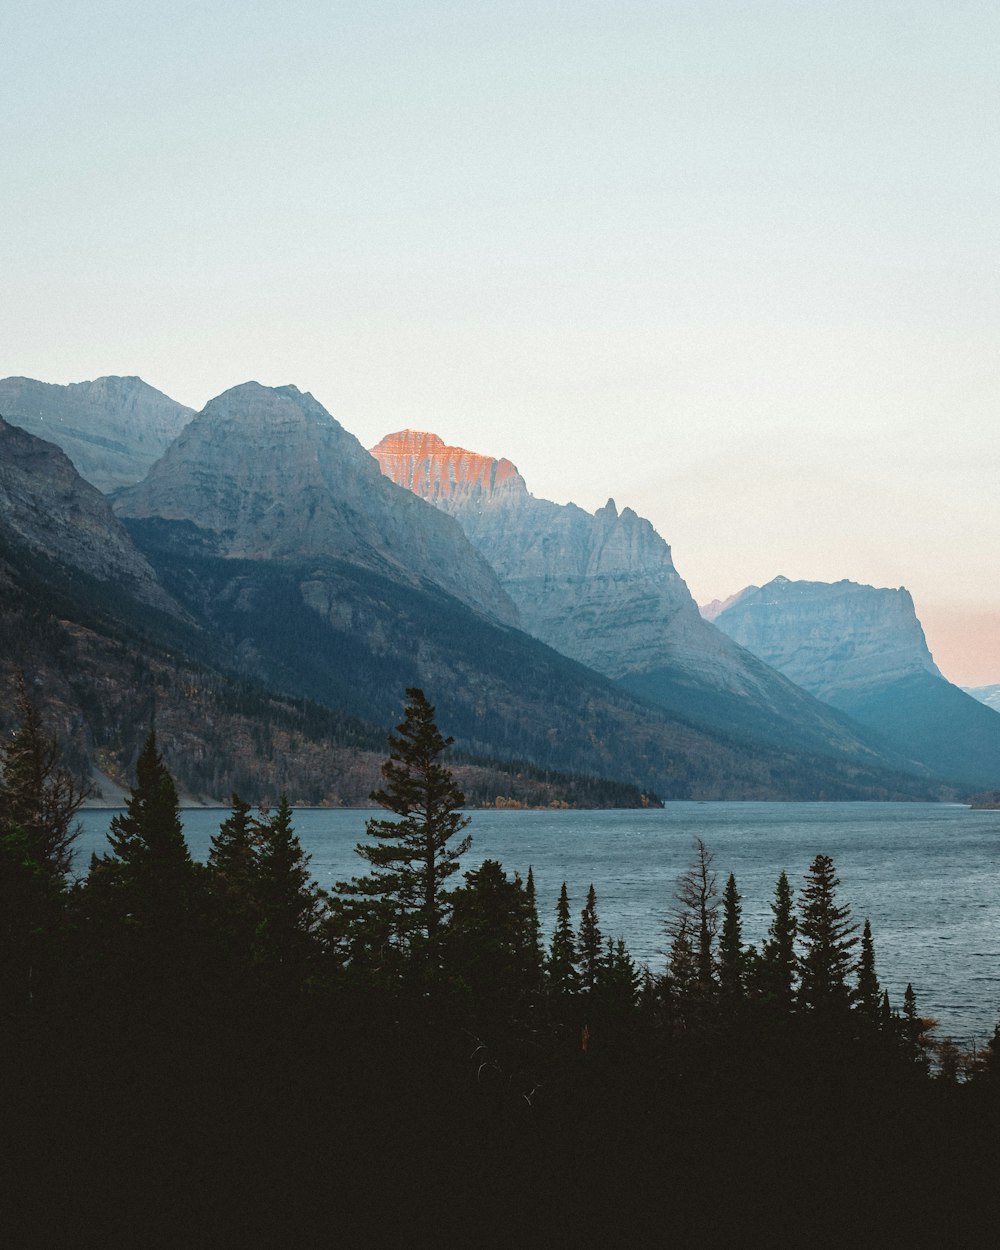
(926, 875)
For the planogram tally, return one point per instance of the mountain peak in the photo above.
(423, 463)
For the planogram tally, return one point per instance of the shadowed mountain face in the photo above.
(862, 649)
(603, 590)
(48, 507)
(112, 429)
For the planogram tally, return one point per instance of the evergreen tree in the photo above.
(289, 902)
(620, 981)
(827, 938)
(38, 803)
(561, 965)
(590, 943)
(534, 951)
(404, 897)
(776, 969)
(731, 955)
(150, 871)
(868, 993)
(486, 945)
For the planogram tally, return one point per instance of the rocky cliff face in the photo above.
(112, 429)
(46, 506)
(829, 637)
(600, 588)
(271, 475)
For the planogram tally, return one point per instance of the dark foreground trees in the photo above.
(295, 1093)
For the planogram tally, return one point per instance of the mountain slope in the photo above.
(112, 429)
(862, 649)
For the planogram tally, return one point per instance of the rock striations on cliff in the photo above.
(270, 474)
(112, 428)
(862, 649)
(47, 507)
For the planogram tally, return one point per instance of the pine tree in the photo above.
(776, 969)
(827, 937)
(731, 955)
(289, 903)
(486, 944)
(590, 943)
(561, 965)
(620, 981)
(38, 803)
(868, 993)
(532, 928)
(404, 898)
(150, 868)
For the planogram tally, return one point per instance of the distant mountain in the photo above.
(112, 429)
(603, 590)
(990, 695)
(862, 649)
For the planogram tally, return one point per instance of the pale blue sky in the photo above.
(734, 264)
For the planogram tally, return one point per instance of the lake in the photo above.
(926, 875)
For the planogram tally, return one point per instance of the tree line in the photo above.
(176, 1007)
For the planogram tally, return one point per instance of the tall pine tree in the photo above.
(828, 941)
(404, 897)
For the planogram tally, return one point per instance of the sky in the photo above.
(733, 264)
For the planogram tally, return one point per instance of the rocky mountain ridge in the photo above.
(112, 428)
(303, 571)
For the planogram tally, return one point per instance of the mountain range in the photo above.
(266, 594)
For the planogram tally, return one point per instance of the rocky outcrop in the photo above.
(269, 474)
(862, 649)
(829, 637)
(46, 506)
(600, 588)
(112, 429)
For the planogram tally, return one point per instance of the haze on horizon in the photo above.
(732, 265)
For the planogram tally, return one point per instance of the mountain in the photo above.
(270, 475)
(603, 590)
(990, 695)
(862, 649)
(112, 429)
(271, 597)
